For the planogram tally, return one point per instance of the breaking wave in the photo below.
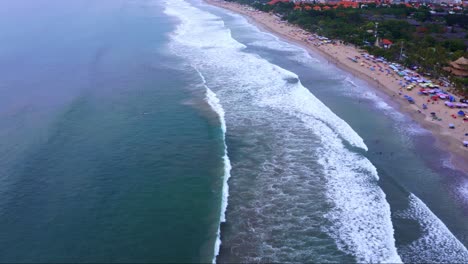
(249, 86)
(436, 244)
(215, 105)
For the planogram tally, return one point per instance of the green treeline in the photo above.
(420, 39)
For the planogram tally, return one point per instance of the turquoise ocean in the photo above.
(174, 131)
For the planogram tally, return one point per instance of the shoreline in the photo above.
(339, 54)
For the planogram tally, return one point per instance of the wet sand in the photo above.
(381, 77)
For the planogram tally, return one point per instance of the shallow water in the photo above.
(396, 146)
(119, 127)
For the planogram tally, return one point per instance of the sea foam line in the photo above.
(437, 244)
(214, 103)
(206, 42)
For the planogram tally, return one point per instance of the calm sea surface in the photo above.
(122, 120)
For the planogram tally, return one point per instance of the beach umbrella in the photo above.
(461, 113)
(465, 143)
(452, 126)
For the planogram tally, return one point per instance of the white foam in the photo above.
(272, 42)
(274, 45)
(248, 64)
(218, 43)
(361, 223)
(462, 191)
(361, 216)
(436, 244)
(214, 103)
(447, 163)
(359, 89)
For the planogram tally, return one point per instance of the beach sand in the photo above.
(340, 54)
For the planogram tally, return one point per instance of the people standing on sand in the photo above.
(339, 53)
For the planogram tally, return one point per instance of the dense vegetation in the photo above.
(422, 41)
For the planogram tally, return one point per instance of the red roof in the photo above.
(348, 4)
(317, 8)
(273, 2)
(386, 42)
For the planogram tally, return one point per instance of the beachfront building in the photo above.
(383, 43)
(459, 67)
(386, 43)
(337, 3)
(343, 3)
(349, 4)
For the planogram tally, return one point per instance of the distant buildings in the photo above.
(386, 43)
(436, 2)
(272, 2)
(449, 6)
(459, 67)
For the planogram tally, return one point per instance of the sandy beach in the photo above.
(379, 74)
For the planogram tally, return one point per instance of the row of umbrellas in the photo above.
(458, 105)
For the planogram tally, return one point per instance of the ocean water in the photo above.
(104, 156)
(174, 131)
